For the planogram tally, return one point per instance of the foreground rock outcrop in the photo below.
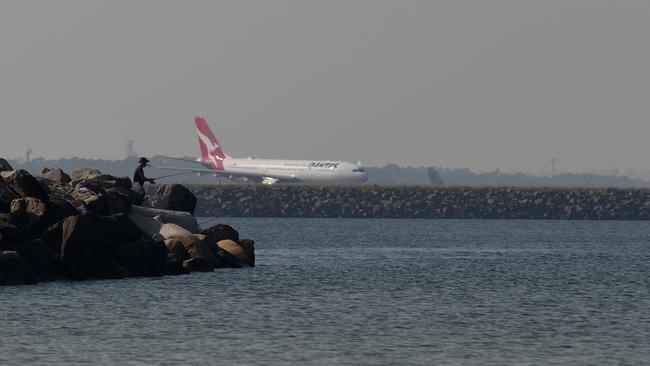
(86, 226)
(437, 202)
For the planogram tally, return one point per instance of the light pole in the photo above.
(553, 161)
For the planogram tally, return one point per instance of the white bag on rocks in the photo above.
(163, 224)
(180, 218)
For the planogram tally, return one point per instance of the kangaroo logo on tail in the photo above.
(211, 152)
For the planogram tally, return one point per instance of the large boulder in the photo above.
(85, 250)
(193, 252)
(8, 230)
(13, 270)
(175, 197)
(143, 258)
(176, 249)
(244, 257)
(39, 259)
(6, 197)
(119, 200)
(5, 166)
(110, 181)
(248, 246)
(105, 181)
(94, 177)
(84, 173)
(196, 248)
(88, 201)
(24, 184)
(59, 208)
(222, 232)
(29, 213)
(119, 229)
(32, 216)
(56, 175)
(53, 236)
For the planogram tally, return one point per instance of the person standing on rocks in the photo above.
(138, 177)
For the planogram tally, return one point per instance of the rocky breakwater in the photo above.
(87, 225)
(438, 202)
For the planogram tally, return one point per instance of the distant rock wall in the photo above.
(422, 202)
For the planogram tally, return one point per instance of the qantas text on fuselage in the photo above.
(269, 171)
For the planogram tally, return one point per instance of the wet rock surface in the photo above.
(87, 226)
(422, 202)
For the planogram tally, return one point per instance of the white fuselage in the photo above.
(306, 171)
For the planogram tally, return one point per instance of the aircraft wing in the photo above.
(265, 178)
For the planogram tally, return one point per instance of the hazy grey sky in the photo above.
(479, 84)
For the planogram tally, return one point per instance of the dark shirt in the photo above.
(138, 176)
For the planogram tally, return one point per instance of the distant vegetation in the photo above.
(394, 174)
(389, 174)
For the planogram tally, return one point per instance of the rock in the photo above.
(85, 251)
(53, 236)
(38, 258)
(119, 182)
(29, 214)
(249, 248)
(24, 185)
(222, 232)
(96, 204)
(143, 258)
(168, 231)
(174, 267)
(105, 181)
(84, 173)
(46, 184)
(176, 248)
(9, 231)
(5, 166)
(237, 251)
(119, 200)
(33, 217)
(56, 175)
(59, 208)
(13, 271)
(196, 248)
(194, 253)
(199, 264)
(175, 197)
(209, 242)
(150, 220)
(6, 197)
(119, 229)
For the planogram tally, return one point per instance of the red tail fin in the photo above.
(210, 149)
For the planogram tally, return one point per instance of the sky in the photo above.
(476, 84)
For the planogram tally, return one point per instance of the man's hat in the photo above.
(145, 160)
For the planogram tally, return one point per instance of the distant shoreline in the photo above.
(432, 202)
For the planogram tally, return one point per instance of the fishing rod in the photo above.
(170, 175)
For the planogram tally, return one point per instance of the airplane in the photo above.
(268, 171)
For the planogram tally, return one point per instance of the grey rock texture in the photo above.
(432, 202)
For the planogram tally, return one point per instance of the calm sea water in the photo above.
(375, 292)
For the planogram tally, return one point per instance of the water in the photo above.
(376, 292)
